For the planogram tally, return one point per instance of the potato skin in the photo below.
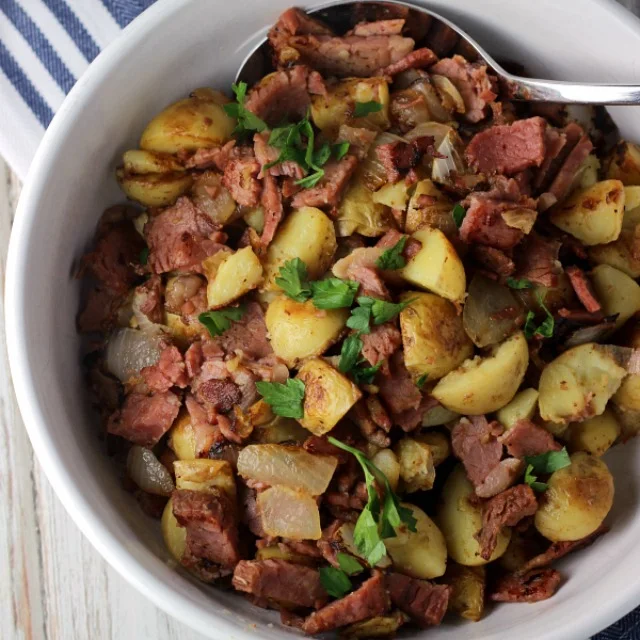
(298, 330)
(617, 292)
(467, 590)
(472, 388)
(577, 500)
(433, 337)
(595, 435)
(460, 519)
(154, 189)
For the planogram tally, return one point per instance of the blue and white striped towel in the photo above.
(45, 46)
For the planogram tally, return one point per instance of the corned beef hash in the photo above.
(369, 327)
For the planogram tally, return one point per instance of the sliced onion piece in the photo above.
(449, 94)
(451, 160)
(438, 130)
(373, 173)
(288, 513)
(522, 219)
(289, 466)
(129, 351)
(436, 108)
(148, 472)
(212, 197)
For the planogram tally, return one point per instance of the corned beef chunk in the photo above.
(526, 438)
(329, 189)
(170, 370)
(418, 59)
(500, 478)
(281, 582)
(583, 288)
(537, 260)
(397, 389)
(508, 149)
(504, 510)
(273, 210)
(381, 343)
(402, 156)
(534, 586)
(475, 443)
(559, 188)
(425, 602)
(147, 301)
(249, 334)
(241, 179)
(494, 260)
(370, 600)
(99, 311)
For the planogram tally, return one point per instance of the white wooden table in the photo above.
(53, 584)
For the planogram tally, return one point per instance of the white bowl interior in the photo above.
(179, 45)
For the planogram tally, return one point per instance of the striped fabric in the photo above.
(45, 45)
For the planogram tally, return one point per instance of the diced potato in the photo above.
(437, 416)
(378, 627)
(277, 552)
(438, 443)
(181, 332)
(394, 195)
(306, 233)
(436, 267)
(337, 107)
(254, 217)
(276, 464)
(577, 500)
(299, 330)
(433, 337)
(175, 536)
(587, 174)
(154, 189)
(205, 475)
(467, 590)
(578, 384)
(617, 292)
(417, 469)
(387, 461)
(182, 439)
(196, 122)
(593, 215)
(624, 163)
(238, 274)
(358, 213)
(460, 519)
(421, 553)
(523, 406)
(522, 548)
(211, 196)
(289, 513)
(595, 435)
(328, 396)
(472, 388)
(429, 207)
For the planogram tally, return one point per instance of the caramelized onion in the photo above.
(129, 351)
(288, 513)
(148, 472)
(374, 175)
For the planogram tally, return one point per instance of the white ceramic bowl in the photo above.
(175, 46)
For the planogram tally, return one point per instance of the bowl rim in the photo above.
(75, 503)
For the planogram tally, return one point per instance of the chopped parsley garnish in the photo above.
(521, 283)
(365, 375)
(548, 462)
(333, 293)
(532, 480)
(284, 399)
(144, 255)
(340, 150)
(217, 322)
(545, 328)
(246, 120)
(350, 353)
(458, 213)
(377, 521)
(365, 108)
(292, 279)
(392, 258)
(381, 310)
(359, 319)
(348, 564)
(335, 581)
(422, 380)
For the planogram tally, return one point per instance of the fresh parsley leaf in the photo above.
(359, 319)
(365, 375)
(144, 255)
(422, 380)
(335, 581)
(545, 328)
(333, 293)
(532, 480)
(321, 156)
(292, 279)
(548, 462)
(348, 564)
(366, 535)
(365, 108)
(392, 258)
(350, 353)
(458, 213)
(217, 322)
(284, 399)
(311, 180)
(381, 310)
(340, 150)
(521, 283)
(246, 120)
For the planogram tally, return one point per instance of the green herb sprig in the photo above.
(544, 464)
(247, 121)
(336, 580)
(392, 258)
(545, 328)
(285, 399)
(362, 109)
(219, 321)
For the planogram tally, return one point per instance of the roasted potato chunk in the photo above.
(196, 122)
(387, 461)
(624, 163)
(204, 475)
(328, 396)
(471, 389)
(593, 215)
(577, 500)
(299, 330)
(175, 536)
(437, 416)
(379, 627)
(417, 469)
(429, 207)
(460, 519)
(182, 439)
(438, 443)
(433, 337)
(595, 435)
(523, 406)
(467, 590)
(578, 384)
(436, 267)
(306, 233)
(393, 195)
(617, 292)
(154, 189)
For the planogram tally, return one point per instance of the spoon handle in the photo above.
(571, 92)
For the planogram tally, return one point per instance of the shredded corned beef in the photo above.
(583, 288)
(534, 586)
(418, 59)
(425, 602)
(537, 261)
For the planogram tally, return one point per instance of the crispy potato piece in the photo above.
(460, 519)
(289, 513)
(523, 405)
(182, 333)
(175, 536)
(467, 590)
(393, 195)
(595, 435)
(306, 233)
(204, 475)
(387, 461)
(182, 439)
(438, 443)
(617, 292)
(196, 122)
(578, 384)
(436, 267)
(231, 276)
(624, 163)
(378, 627)
(421, 553)
(429, 207)
(299, 330)
(471, 389)
(337, 107)
(593, 215)
(433, 337)
(417, 469)
(154, 189)
(328, 396)
(577, 500)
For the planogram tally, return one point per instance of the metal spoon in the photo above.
(340, 16)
